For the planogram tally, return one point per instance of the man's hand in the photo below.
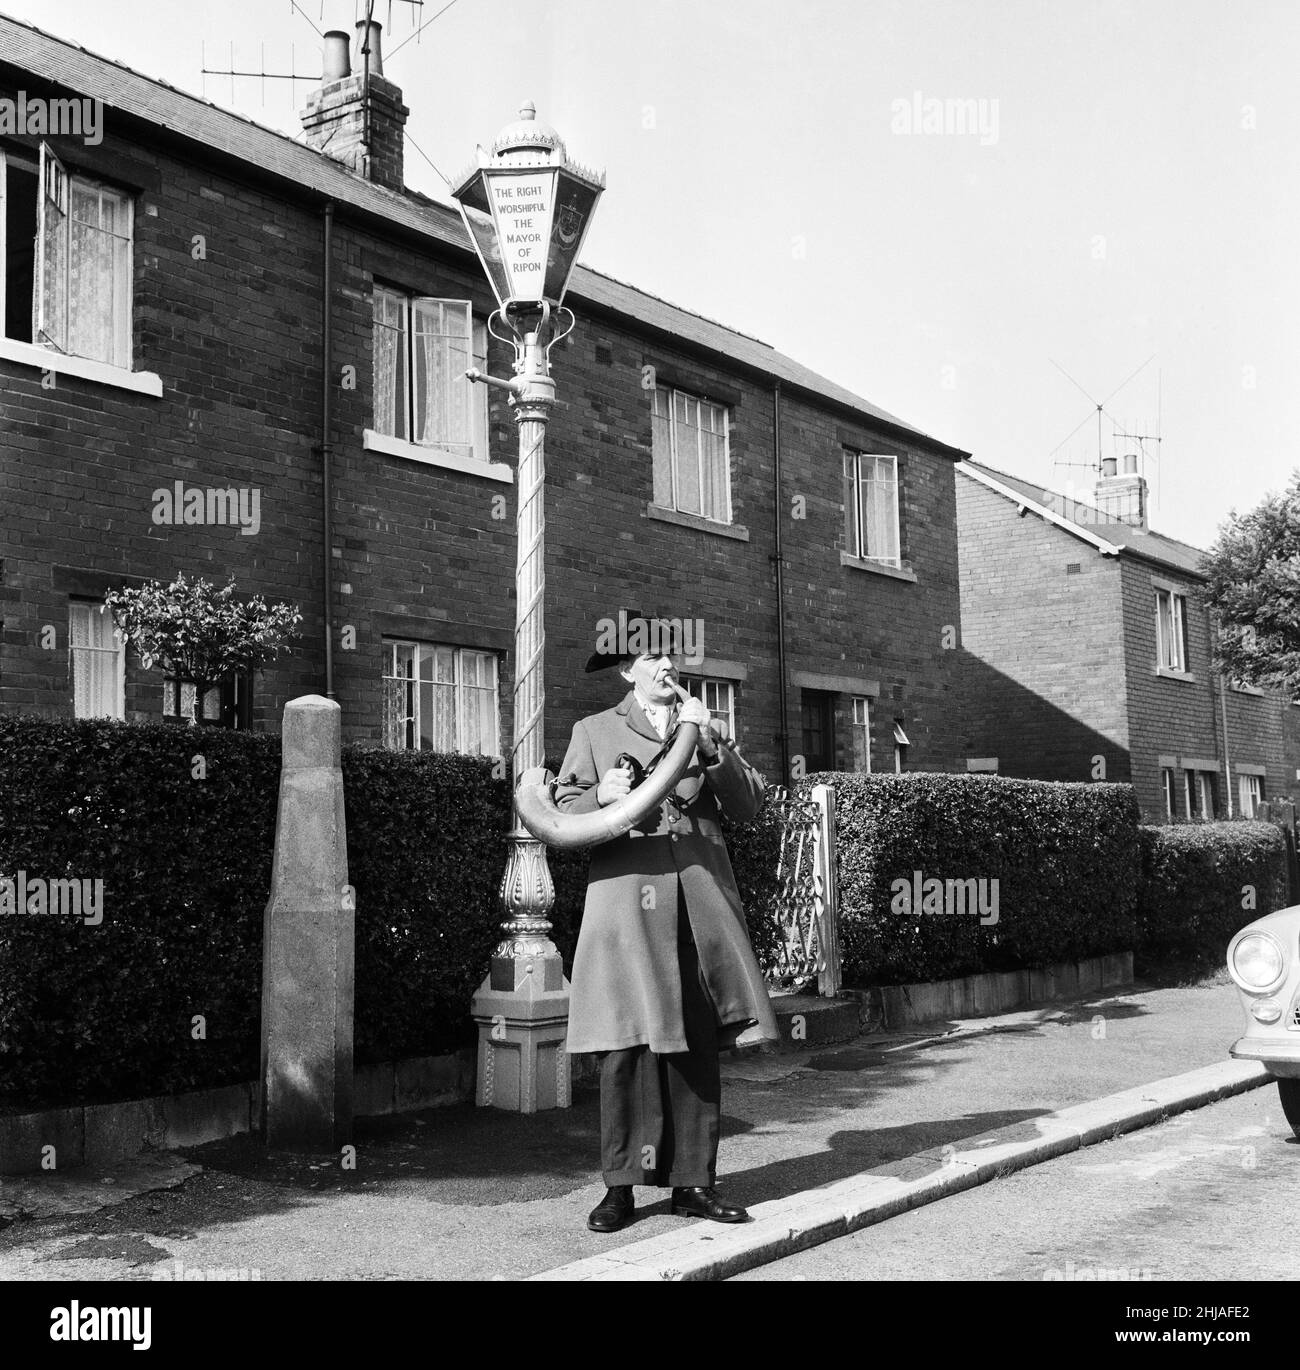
(616, 784)
(696, 711)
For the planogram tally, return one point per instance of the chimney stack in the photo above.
(356, 115)
(1123, 495)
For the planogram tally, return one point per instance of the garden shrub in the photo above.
(1203, 881)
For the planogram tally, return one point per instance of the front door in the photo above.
(817, 709)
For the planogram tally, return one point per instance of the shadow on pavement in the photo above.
(862, 1151)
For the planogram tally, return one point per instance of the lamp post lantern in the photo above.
(527, 209)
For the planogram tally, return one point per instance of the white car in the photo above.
(1264, 962)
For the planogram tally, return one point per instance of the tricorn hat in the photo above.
(628, 633)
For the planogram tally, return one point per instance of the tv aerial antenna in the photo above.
(1118, 430)
(416, 7)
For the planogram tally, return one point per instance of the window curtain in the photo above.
(480, 692)
(686, 421)
(1166, 621)
(478, 397)
(94, 653)
(662, 446)
(713, 462)
(882, 509)
(390, 364)
(443, 736)
(98, 281)
(442, 353)
(399, 697)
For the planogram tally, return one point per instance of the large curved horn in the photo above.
(550, 824)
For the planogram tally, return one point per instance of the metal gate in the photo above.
(806, 904)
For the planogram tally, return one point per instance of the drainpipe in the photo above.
(783, 733)
(327, 452)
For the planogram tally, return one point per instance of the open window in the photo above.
(901, 744)
(871, 527)
(52, 254)
(65, 240)
(422, 348)
(1171, 630)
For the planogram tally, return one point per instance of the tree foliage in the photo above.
(1253, 589)
(199, 633)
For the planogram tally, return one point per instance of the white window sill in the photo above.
(878, 568)
(683, 520)
(29, 354)
(1170, 674)
(1246, 690)
(432, 456)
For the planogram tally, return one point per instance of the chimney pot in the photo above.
(337, 63)
(1109, 466)
(375, 44)
(1130, 463)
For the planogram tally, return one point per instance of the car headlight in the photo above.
(1257, 961)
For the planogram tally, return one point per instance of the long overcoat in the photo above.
(626, 985)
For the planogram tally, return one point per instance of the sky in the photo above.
(1108, 222)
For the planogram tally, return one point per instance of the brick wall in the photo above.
(1044, 659)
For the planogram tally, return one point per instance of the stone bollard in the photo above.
(308, 957)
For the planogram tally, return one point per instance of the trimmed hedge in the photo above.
(89, 1012)
(1065, 857)
(1197, 880)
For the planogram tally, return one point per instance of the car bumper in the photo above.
(1281, 1057)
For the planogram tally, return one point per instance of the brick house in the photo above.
(1088, 655)
(165, 357)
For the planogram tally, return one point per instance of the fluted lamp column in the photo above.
(527, 210)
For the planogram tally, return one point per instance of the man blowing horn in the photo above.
(664, 976)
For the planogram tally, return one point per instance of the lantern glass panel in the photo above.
(523, 203)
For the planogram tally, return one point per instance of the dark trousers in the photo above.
(659, 1115)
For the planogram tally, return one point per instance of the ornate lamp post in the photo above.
(527, 209)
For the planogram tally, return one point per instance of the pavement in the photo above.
(814, 1144)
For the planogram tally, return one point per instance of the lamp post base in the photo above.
(522, 1064)
(522, 1008)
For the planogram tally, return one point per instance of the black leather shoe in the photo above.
(614, 1210)
(703, 1202)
